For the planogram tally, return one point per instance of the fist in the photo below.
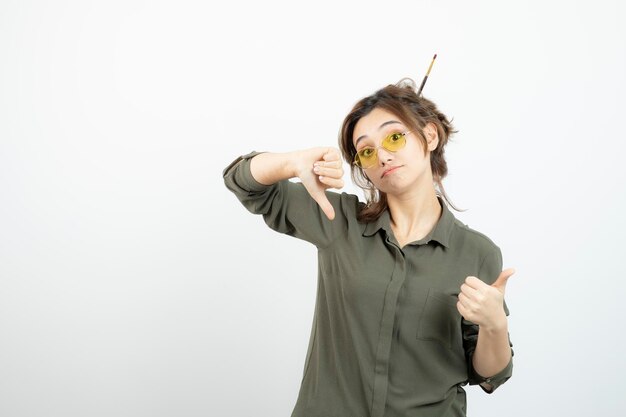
(319, 169)
(482, 303)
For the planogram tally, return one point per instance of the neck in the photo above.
(414, 213)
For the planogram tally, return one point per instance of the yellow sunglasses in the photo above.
(368, 156)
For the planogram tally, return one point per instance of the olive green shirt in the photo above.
(387, 339)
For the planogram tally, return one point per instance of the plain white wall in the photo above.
(132, 283)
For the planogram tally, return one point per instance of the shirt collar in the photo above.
(441, 232)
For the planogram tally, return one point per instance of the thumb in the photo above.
(320, 197)
(500, 283)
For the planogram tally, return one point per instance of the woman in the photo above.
(410, 304)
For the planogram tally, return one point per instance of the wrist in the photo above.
(497, 327)
(293, 164)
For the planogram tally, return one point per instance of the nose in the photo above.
(384, 156)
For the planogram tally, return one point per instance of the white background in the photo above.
(132, 283)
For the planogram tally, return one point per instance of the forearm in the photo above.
(493, 352)
(268, 168)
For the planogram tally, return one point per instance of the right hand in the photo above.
(319, 169)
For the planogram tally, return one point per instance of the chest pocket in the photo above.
(440, 320)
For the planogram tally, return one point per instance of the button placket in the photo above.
(381, 375)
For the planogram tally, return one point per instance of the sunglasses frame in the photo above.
(357, 161)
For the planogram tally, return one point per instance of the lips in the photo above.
(390, 170)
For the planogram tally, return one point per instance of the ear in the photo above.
(430, 132)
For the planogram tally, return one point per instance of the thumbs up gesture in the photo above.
(482, 303)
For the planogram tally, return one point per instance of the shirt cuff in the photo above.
(496, 380)
(239, 170)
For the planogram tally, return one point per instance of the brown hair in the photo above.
(402, 100)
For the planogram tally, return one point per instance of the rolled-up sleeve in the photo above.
(490, 269)
(286, 206)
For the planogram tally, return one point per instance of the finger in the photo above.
(322, 200)
(475, 283)
(465, 301)
(332, 164)
(331, 182)
(469, 291)
(329, 164)
(504, 276)
(462, 310)
(328, 172)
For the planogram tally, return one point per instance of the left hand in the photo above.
(482, 303)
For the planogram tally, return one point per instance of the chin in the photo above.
(396, 186)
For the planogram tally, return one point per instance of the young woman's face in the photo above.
(399, 171)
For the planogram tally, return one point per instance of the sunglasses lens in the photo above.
(366, 157)
(394, 142)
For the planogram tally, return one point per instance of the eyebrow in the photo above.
(381, 126)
